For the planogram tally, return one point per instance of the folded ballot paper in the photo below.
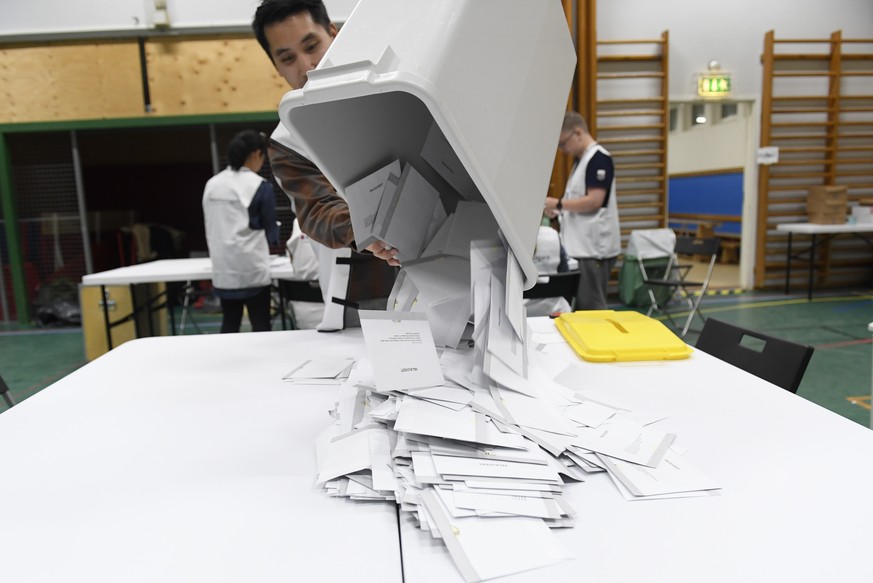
(396, 205)
(313, 371)
(404, 204)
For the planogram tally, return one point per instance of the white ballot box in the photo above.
(471, 93)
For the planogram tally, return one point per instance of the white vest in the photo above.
(590, 235)
(240, 256)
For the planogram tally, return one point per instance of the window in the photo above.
(698, 114)
(729, 110)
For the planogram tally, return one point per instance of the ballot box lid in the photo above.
(492, 75)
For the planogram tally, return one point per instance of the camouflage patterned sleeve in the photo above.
(322, 213)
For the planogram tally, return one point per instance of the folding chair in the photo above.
(647, 255)
(779, 361)
(555, 285)
(690, 293)
(187, 313)
(4, 390)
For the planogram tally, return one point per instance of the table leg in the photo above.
(788, 266)
(811, 268)
(282, 304)
(134, 311)
(172, 315)
(105, 301)
(148, 310)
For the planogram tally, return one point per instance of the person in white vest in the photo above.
(588, 212)
(239, 210)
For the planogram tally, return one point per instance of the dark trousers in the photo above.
(593, 283)
(258, 307)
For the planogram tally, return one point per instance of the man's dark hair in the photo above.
(273, 11)
(242, 145)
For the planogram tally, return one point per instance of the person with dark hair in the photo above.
(296, 34)
(588, 212)
(239, 211)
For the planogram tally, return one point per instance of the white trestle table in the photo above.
(814, 230)
(184, 459)
(169, 271)
(188, 459)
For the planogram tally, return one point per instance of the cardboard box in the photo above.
(827, 205)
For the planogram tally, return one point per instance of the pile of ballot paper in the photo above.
(450, 416)
(476, 444)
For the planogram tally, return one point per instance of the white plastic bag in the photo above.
(303, 257)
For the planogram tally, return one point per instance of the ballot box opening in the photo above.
(354, 137)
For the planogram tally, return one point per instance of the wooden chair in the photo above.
(779, 361)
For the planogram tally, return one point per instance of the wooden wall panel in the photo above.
(631, 119)
(817, 108)
(57, 82)
(208, 76)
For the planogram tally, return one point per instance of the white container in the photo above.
(863, 214)
(494, 75)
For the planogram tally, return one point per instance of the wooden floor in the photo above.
(724, 275)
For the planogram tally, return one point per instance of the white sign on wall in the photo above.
(768, 155)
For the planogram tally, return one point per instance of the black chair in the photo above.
(4, 391)
(297, 291)
(680, 289)
(779, 361)
(564, 285)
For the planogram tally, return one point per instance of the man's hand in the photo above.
(383, 251)
(550, 207)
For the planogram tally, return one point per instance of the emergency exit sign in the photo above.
(710, 85)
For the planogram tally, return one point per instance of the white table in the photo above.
(168, 271)
(814, 230)
(796, 503)
(186, 458)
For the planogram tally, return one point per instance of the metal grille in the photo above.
(43, 181)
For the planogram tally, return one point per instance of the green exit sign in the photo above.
(709, 85)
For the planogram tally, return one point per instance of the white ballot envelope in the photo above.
(364, 197)
(401, 350)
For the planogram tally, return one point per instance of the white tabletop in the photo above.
(816, 229)
(168, 270)
(184, 459)
(187, 459)
(795, 504)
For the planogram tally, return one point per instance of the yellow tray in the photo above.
(610, 336)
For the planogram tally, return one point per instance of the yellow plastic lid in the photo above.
(610, 336)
